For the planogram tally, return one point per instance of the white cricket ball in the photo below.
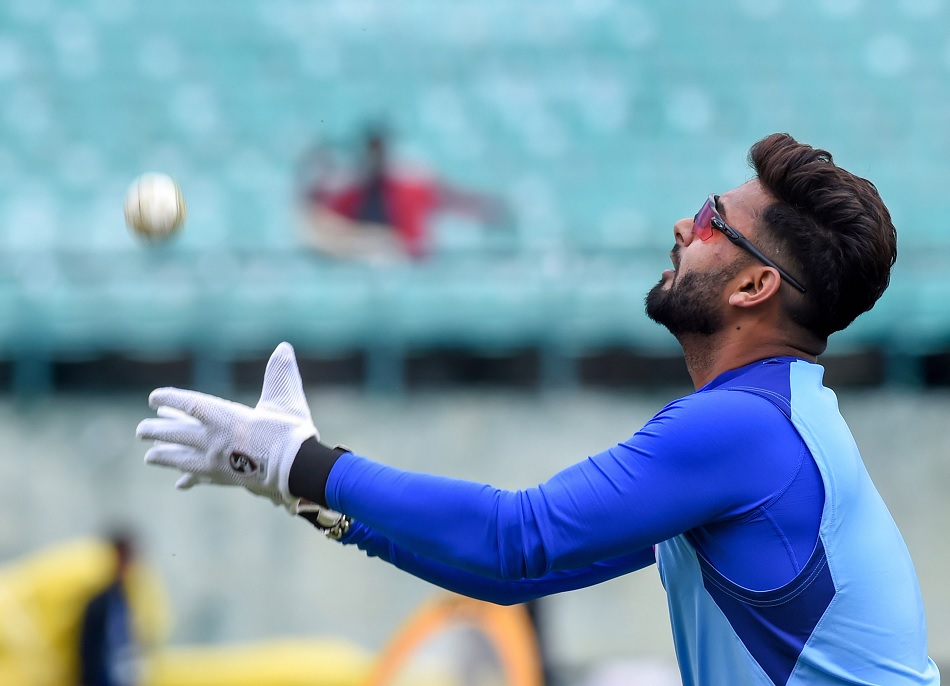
(154, 206)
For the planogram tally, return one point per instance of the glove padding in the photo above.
(218, 441)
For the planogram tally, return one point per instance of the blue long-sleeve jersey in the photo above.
(739, 490)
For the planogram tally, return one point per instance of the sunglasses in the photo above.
(708, 218)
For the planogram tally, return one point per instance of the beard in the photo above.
(691, 305)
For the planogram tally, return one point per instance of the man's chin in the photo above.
(655, 301)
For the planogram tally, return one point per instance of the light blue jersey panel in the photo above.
(853, 615)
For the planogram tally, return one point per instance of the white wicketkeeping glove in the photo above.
(218, 441)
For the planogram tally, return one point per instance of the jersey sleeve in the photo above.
(497, 591)
(700, 459)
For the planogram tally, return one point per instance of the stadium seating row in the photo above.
(239, 305)
(601, 122)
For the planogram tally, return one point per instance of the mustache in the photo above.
(675, 256)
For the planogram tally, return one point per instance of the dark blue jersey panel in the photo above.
(774, 625)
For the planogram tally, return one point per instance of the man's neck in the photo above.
(709, 356)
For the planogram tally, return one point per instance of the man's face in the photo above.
(691, 298)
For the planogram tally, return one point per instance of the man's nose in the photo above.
(683, 231)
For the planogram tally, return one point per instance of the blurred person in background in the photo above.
(109, 653)
(780, 560)
(383, 212)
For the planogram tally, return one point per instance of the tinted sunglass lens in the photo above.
(702, 222)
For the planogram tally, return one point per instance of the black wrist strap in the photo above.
(311, 470)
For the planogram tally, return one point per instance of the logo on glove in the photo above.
(244, 464)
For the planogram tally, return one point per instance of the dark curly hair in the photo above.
(834, 227)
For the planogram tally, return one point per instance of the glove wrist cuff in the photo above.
(289, 453)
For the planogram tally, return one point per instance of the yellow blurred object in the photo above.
(42, 599)
(43, 596)
(304, 662)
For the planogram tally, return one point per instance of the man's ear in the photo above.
(754, 286)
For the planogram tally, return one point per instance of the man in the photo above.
(386, 211)
(108, 649)
(780, 560)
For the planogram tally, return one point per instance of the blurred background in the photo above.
(537, 155)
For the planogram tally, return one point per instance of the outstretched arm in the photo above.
(482, 587)
(658, 484)
(487, 208)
